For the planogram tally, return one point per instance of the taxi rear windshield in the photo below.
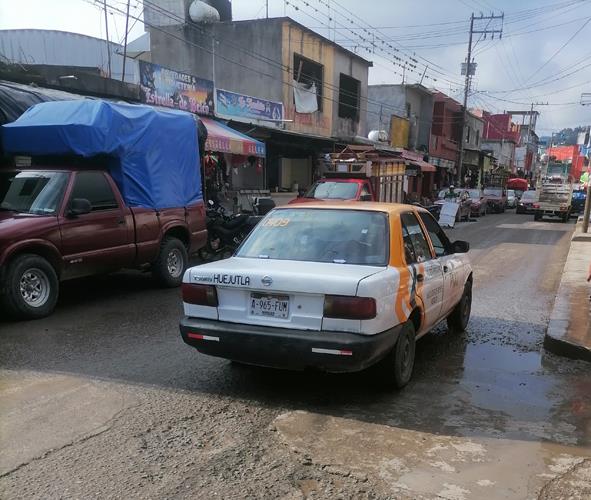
(320, 235)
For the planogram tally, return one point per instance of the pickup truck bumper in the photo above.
(336, 352)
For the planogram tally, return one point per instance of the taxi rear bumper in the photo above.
(336, 352)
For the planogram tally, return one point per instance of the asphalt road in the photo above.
(103, 400)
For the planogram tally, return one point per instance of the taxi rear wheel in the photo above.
(395, 370)
(460, 316)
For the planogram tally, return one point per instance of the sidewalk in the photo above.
(569, 329)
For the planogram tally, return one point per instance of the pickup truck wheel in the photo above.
(537, 216)
(31, 287)
(171, 263)
(459, 317)
(395, 370)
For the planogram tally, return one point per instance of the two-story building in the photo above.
(446, 133)
(404, 112)
(316, 88)
(501, 137)
(472, 165)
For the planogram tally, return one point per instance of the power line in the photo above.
(560, 49)
(408, 63)
(380, 38)
(245, 66)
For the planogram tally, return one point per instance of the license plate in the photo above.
(270, 306)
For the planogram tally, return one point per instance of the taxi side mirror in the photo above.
(460, 246)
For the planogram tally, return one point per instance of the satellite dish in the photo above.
(200, 12)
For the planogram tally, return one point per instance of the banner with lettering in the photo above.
(160, 86)
(232, 105)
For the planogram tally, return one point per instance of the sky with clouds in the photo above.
(543, 56)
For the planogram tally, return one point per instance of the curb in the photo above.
(568, 322)
(563, 347)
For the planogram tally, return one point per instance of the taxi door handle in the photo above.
(420, 278)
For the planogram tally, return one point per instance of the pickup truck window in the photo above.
(94, 187)
(32, 192)
(441, 243)
(415, 244)
(333, 191)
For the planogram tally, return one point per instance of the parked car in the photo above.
(496, 199)
(511, 198)
(479, 206)
(62, 222)
(526, 203)
(462, 197)
(336, 287)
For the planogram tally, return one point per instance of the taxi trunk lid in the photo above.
(288, 294)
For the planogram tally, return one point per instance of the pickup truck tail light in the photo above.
(536, 205)
(200, 295)
(345, 307)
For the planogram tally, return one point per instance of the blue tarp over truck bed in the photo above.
(155, 152)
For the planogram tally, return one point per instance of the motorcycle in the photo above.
(225, 233)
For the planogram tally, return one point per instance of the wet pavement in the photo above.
(103, 400)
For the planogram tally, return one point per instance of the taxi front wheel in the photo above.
(395, 370)
(459, 317)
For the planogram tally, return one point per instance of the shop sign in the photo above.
(160, 86)
(232, 105)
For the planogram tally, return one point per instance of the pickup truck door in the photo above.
(451, 265)
(101, 240)
(426, 272)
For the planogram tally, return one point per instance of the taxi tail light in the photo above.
(345, 307)
(200, 295)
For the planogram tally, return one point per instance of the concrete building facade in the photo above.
(411, 103)
(268, 59)
(446, 134)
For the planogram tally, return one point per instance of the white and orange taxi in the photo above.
(337, 287)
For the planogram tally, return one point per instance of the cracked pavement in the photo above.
(103, 400)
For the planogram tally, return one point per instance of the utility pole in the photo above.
(267, 8)
(586, 101)
(423, 75)
(470, 71)
(533, 119)
(107, 34)
(125, 43)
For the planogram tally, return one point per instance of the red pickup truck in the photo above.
(58, 224)
(119, 197)
(335, 187)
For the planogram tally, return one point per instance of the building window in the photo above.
(349, 89)
(309, 72)
(468, 135)
(478, 138)
(408, 109)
